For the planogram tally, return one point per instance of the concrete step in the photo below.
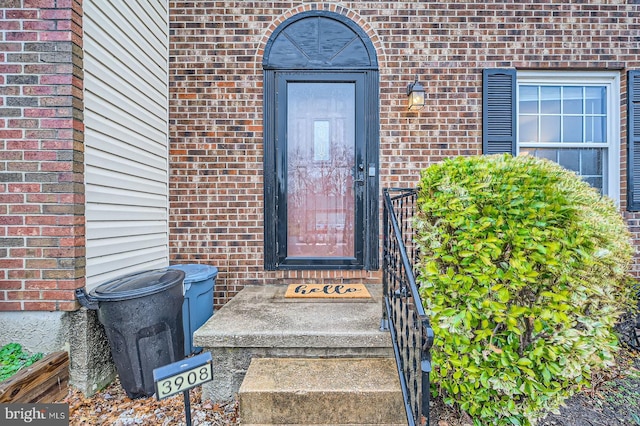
(260, 322)
(327, 391)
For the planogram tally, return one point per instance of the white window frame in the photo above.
(611, 80)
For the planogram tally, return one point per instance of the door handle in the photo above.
(360, 175)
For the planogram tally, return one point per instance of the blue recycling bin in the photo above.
(197, 308)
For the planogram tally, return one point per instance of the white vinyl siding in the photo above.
(126, 136)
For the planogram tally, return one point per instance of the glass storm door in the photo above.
(322, 179)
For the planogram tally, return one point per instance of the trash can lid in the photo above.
(195, 272)
(138, 284)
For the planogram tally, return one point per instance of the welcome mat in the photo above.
(327, 291)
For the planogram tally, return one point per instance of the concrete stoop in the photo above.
(321, 391)
(260, 322)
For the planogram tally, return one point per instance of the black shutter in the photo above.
(633, 141)
(499, 111)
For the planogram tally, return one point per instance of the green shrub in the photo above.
(523, 271)
(13, 358)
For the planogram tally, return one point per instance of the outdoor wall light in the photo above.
(415, 94)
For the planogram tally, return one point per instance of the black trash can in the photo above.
(142, 316)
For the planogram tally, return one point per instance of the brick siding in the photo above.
(216, 128)
(41, 155)
(216, 102)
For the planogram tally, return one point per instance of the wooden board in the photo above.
(327, 291)
(45, 381)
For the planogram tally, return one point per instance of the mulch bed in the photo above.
(112, 406)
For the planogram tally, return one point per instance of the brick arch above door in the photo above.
(365, 28)
(319, 40)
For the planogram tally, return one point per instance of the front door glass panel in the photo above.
(321, 147)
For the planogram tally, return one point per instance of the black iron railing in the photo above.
(403, 314)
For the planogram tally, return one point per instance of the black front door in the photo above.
(322, 177)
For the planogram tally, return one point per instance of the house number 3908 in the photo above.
(185, 380)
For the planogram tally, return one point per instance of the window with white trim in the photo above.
(572, 118)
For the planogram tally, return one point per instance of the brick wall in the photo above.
(41, 155)
(216, 101)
